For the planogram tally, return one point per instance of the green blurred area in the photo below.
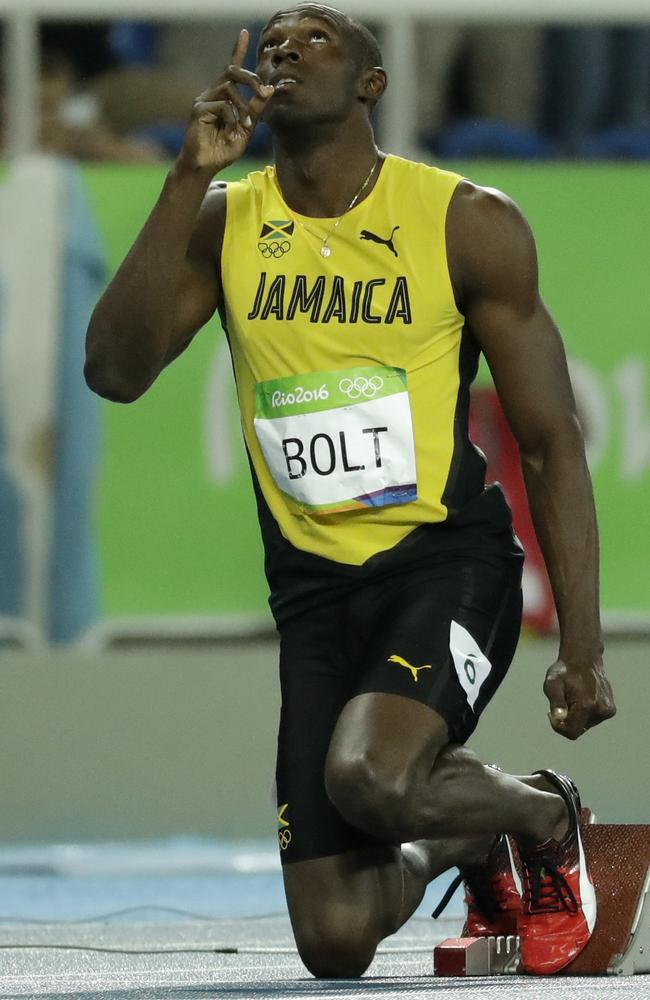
(175, 541)
(172, 541)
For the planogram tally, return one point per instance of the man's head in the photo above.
(323, 63)
(361, 43)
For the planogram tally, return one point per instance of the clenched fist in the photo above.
(580, 696)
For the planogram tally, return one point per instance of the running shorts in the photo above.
(443, 633)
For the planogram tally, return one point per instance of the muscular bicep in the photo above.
(196, 302)
(494, 263)
(527, 360)
(199, 289)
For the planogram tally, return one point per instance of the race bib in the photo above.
(339, 440)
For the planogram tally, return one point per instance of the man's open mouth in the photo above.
(285, 82)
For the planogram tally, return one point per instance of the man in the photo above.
(356, 290)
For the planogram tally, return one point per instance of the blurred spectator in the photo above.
(49, 420)
(489, 71)
(145, 95)
(198, 51)
(598, 85)
(11, 566)
(74, 123)
(123, 90)
(148, 75)
(146, 106)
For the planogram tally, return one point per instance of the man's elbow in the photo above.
(110, 383)
(112, 368)
(563, 435)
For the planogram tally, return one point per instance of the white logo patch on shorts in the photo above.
(471, 665)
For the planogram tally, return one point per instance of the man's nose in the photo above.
(288, 50)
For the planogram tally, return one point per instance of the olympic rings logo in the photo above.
(361, 386)
(284, 837)
(274, 248)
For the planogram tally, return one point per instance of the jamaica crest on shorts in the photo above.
(275, 238)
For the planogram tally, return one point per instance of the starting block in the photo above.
(481, 956)
(619, 863)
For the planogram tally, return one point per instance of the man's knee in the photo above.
(371, 794)
(336, 947)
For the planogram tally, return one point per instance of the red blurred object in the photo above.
(489, 430)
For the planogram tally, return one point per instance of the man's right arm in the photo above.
(165, 290)
(168, 286)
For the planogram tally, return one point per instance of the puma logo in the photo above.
(404, 663)
(367, 235)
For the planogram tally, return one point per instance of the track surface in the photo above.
(265, 966)
(146, 922)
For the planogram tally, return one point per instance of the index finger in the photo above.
(241, 48)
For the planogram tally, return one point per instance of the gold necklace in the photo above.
(326, 250)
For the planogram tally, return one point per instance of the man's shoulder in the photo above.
(483, 217)
(478, 198)
(489, 240)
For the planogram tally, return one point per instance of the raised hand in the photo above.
(223, 121)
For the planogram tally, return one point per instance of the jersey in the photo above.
(353, 368)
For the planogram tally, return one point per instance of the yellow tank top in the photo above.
(352, 369)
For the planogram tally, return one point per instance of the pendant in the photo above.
(325, 250)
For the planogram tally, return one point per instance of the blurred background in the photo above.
(138, 693)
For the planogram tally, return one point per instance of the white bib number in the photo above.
(339, 440)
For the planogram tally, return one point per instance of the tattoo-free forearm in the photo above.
(562, 507)
(131, 333)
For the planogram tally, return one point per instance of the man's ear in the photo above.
(373, 84)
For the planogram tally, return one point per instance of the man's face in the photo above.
(304, 54)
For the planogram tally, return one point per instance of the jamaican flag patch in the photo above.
(275, 237)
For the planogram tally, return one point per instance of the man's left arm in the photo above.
(493, 265)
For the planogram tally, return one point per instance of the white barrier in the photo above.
(551, 11)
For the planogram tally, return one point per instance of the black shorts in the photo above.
(442, 633)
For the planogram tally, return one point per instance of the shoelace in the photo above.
(444, 902)
(484, 888)
(546, 890)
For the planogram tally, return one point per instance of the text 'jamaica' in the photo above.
(330, 299)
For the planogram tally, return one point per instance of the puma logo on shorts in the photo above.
(404, 663)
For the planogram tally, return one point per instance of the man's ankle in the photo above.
(477, 850)
(550, 825)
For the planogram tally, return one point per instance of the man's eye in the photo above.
(268, 44)
(318, 36)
